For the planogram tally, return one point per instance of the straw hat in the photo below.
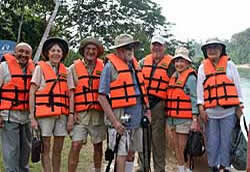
(94, 41)
(182, 52)
(213, 41)
(123, 40)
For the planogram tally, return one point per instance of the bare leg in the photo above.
(98, 155)
(74, 155)
(120, 163)
(181, 142)
(45, 155)
(57, 150)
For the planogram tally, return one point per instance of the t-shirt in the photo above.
(91, 117)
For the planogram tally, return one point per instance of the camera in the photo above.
(125, 118)
(145, 122)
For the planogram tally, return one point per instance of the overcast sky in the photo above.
(202, 19)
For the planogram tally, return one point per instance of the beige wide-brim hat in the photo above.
(124, 40)
(94, 41)
(182, 52)
(213, 41)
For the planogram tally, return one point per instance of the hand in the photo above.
(239, 111)
(204, 116)
(34, 124)
(195, 125)
(70, 123)
(119, 127)
(148, 115)
(1, 122)
(76, 117)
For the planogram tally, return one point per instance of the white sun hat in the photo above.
(182, 52)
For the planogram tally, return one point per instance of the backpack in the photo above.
(239, 148)
(195, 147)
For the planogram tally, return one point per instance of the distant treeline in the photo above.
(238, 47)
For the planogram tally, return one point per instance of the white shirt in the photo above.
(219, 112)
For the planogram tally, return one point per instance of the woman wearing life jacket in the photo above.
(181, 104)
(49, 100)
(219, 95)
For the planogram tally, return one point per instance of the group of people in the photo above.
(93, 98)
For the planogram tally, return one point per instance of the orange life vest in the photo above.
(219, 90)
(53, 99)
(14, 95)
(156, 83)
(122, 90)
(178, 104)
(86, 95)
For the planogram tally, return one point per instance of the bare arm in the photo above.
(72, 114)
(110, 114)
(71, 100)
(33, 89)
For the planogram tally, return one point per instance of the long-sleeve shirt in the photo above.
(218, 111)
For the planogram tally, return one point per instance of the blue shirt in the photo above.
(108, 75)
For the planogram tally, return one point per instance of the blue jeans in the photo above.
(16, 146)
(218, 136)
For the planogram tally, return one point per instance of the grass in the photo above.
(85, 161)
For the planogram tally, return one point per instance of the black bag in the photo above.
(109, 154)
(195, 146)
(37, 146)
(239, 148)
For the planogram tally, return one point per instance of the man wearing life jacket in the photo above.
(122, 82)
(49, 101)
(87, 117)
(15, 76)
(219, 96)
(156, 69)
(181, 104)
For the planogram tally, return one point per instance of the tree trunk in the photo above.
(46, 33)
(20, 29)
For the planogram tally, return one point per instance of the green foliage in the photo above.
(238, 47)
(33, 24)
(71, 57)
(77, 19)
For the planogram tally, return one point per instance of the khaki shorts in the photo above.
(53, 126)
(130, 141)
(182, 128)
(80, 132)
